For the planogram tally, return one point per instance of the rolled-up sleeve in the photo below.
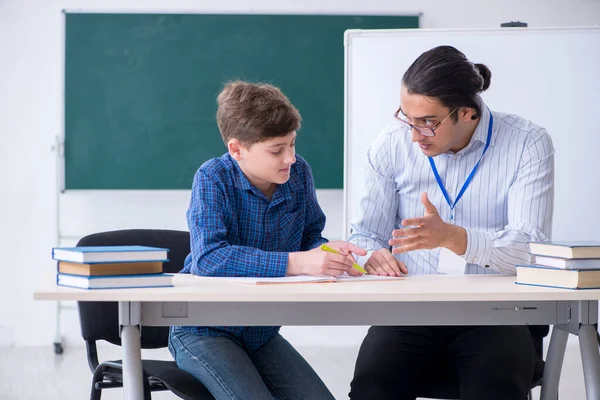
(530, 209)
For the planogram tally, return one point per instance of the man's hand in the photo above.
(319, 262)
(428, 232)
(382, 262)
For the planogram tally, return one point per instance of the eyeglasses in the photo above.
(423, 130)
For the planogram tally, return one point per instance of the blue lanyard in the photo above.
(469, 178)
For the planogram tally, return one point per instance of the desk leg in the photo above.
(588, 344)
(554, 361)
(129, 319)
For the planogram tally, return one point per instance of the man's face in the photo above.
(269, 162)
(428, 112)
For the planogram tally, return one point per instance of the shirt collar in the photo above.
(293, 184)
(481, 130)
(286, 191)
(240, 180)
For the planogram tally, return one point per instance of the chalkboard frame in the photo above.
(325, 154)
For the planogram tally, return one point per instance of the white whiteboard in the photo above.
(550, 76)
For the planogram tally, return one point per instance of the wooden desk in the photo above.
(418, 300)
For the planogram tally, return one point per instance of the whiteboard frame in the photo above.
(351, 34)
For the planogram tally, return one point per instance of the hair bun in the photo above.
(486, 74)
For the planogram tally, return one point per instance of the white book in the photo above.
(568, 263)
(114, 281)
(559, 278)
(101, 254)
(579, 249)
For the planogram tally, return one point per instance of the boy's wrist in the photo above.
(293, 267)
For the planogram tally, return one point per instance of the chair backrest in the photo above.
(100, 320)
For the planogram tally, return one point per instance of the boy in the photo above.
(254, 212)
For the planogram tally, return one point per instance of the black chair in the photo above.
(100, 321)
(440, 382)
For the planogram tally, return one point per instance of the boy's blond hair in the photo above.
(253, 112)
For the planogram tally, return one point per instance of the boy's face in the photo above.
(267, 163)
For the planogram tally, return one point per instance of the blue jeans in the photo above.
(275, 371)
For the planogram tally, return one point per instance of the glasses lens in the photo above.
(424, 131)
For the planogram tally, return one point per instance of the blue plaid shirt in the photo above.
(236, 231)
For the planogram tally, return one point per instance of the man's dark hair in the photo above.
(446, 74)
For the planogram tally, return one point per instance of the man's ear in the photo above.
(235, 149)
(466, 114)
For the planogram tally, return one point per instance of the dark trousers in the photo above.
(490, 362)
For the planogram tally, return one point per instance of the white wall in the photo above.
(30, 116)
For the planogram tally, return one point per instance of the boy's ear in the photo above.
(235, 149)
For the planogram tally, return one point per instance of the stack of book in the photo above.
(568, 265)
(109, 267)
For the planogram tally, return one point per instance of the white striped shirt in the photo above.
(508, 204)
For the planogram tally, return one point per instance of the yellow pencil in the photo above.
(355, 265)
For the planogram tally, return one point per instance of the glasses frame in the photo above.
(428, 131)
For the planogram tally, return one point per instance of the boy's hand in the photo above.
(382, 262)
(319, 262)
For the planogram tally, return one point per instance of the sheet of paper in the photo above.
(270, 281)
(300, 279)
(450, 264)
(363, 278)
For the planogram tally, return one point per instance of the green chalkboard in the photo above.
(140, 90)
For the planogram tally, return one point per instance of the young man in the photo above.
(451, 183)
(254, 212)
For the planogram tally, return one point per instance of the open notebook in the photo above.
(301, 279)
